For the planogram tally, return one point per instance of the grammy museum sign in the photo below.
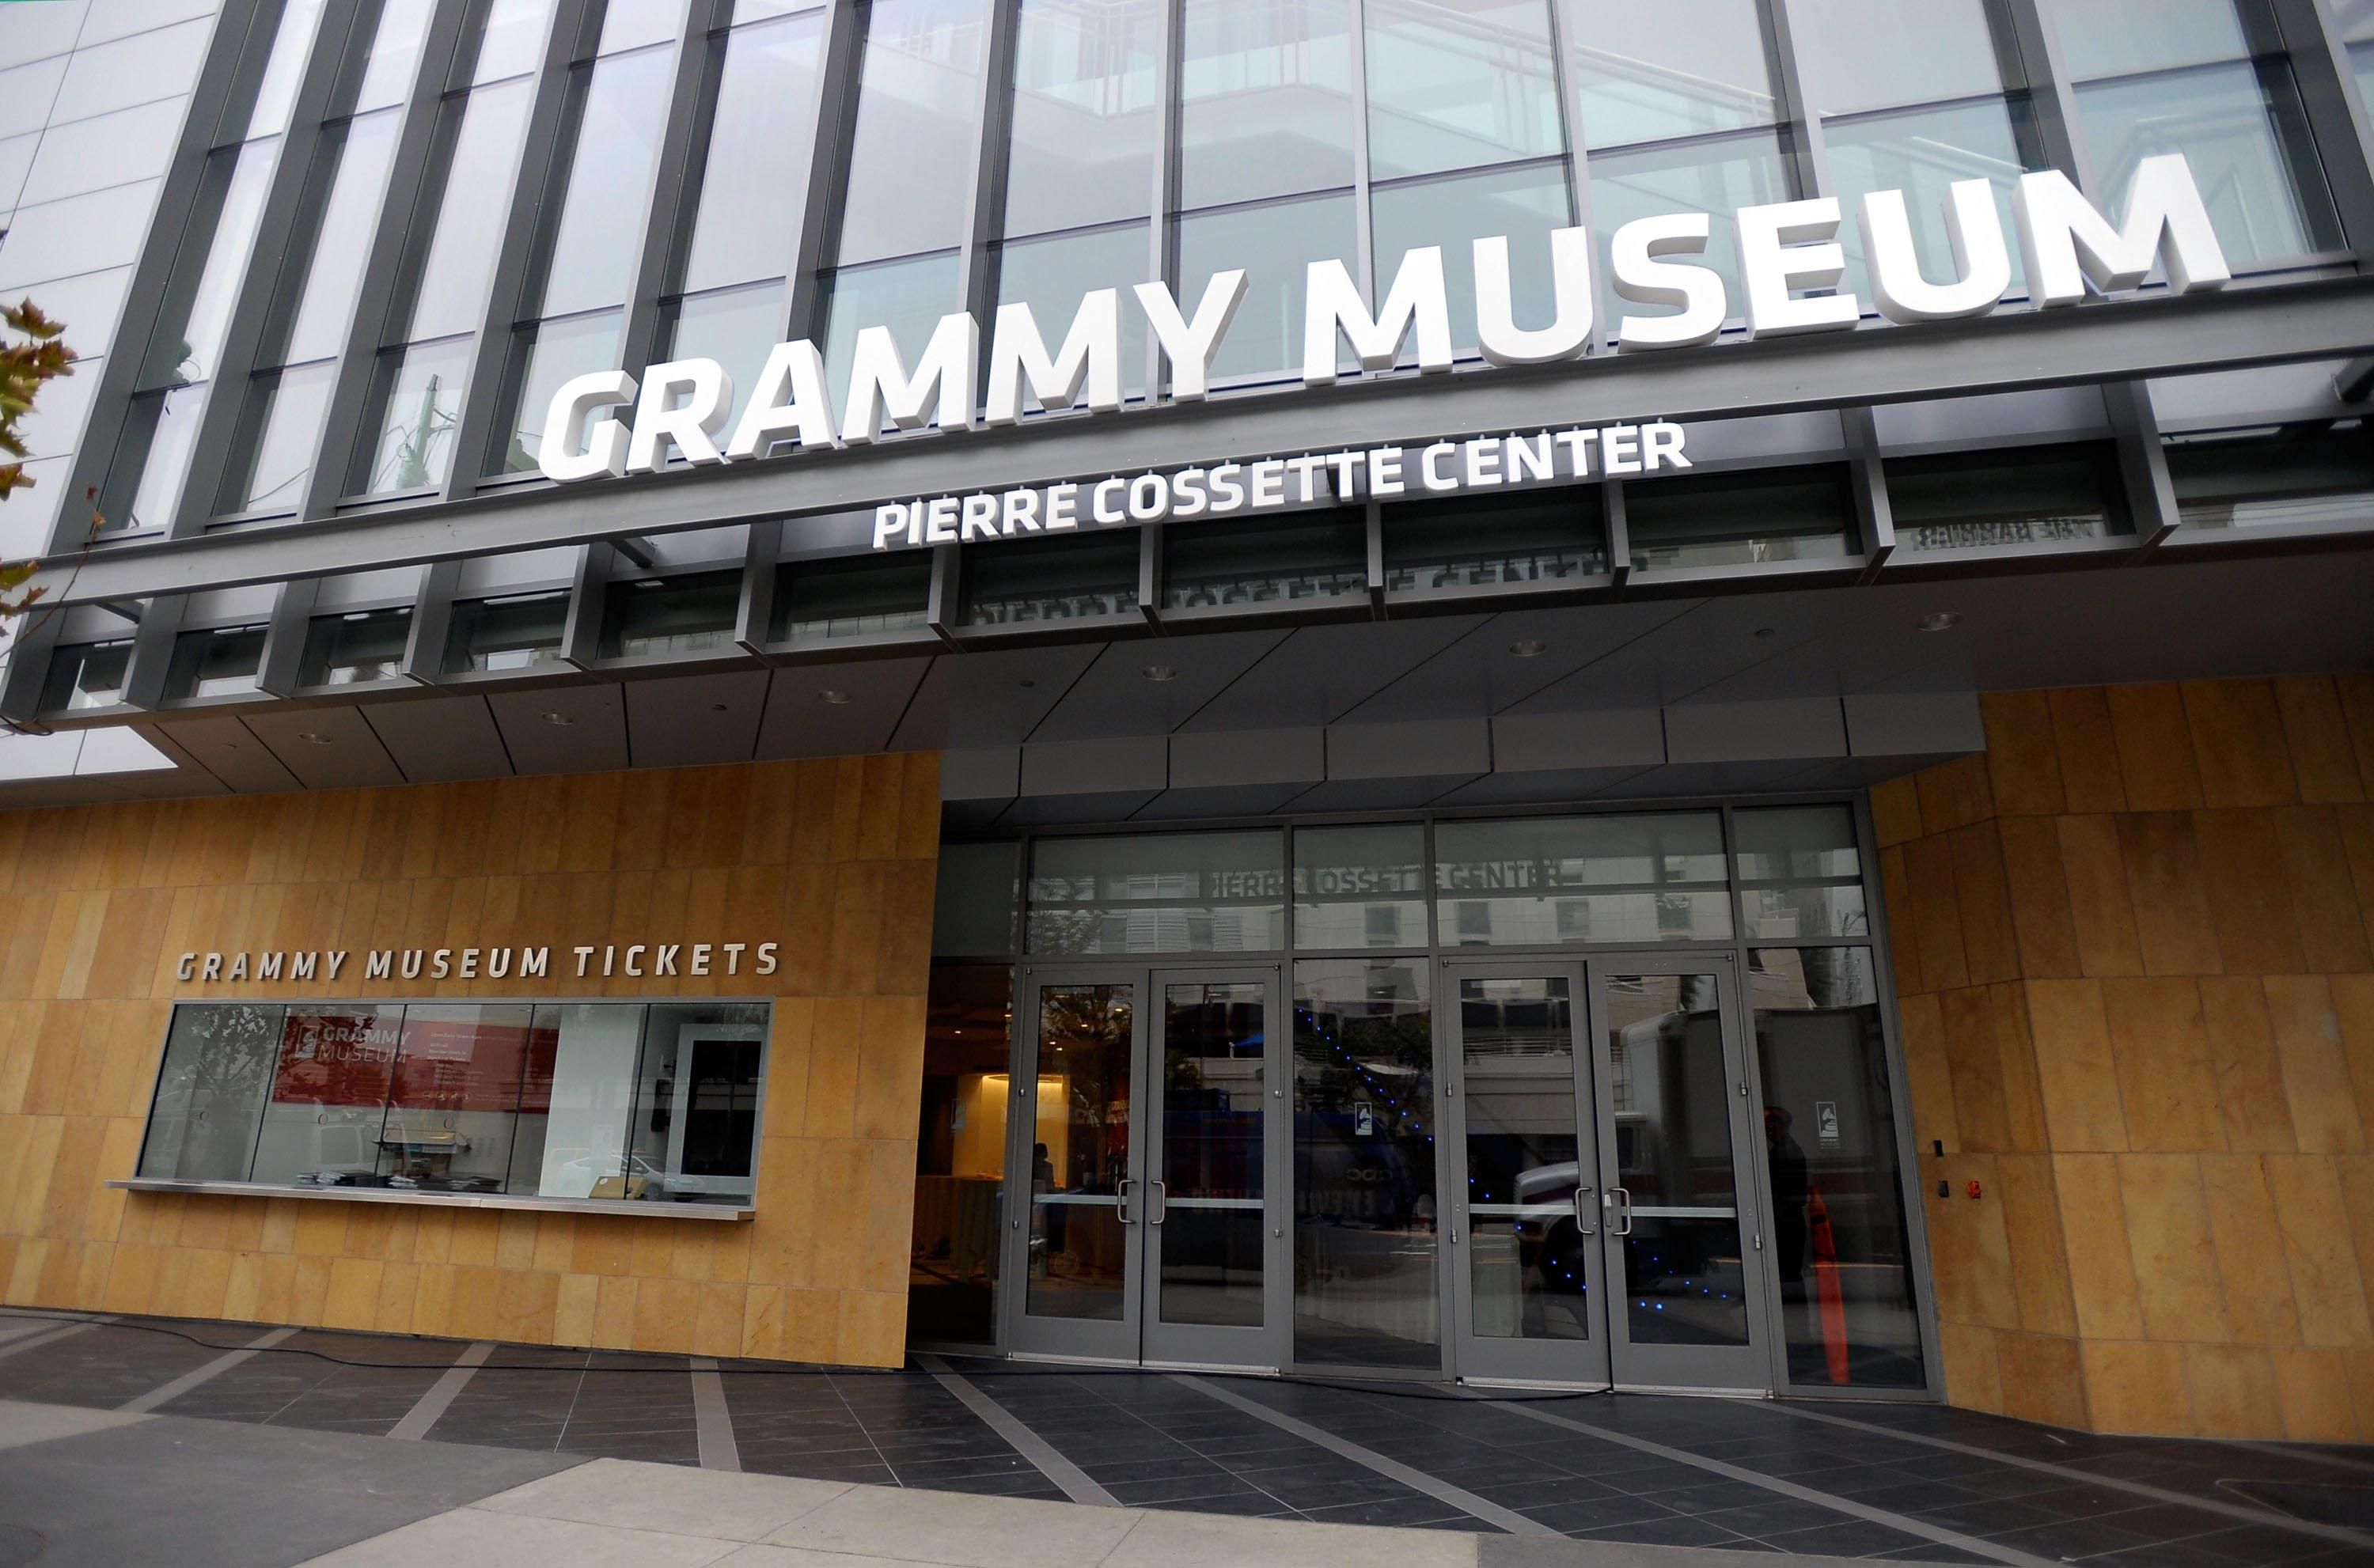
(1790, 261)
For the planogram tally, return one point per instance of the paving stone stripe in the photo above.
(1075, 1482)
(713, 1426)
(158, 1398)
(442, 1393)
(35, 1342)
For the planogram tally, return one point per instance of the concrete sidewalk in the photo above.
(632, 1515)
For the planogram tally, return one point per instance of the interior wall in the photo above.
(833, 859)
(2134, 950)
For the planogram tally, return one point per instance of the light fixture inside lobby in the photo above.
(1529, 648)
(1939, 621)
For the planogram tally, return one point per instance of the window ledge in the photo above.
(614, 1206)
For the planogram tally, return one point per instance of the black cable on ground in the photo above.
(791, 1369)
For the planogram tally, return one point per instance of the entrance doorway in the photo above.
(1601, 1206)
(1148, 1124)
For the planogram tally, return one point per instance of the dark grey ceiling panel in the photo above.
(695, 720)
(1683, 656)
(1077, 811)
(1541, 786)
(993, 698)
(327, 748)
(562, 729)
(1219, 800)
(1379, 794)
(1936, 723)
(1261, 758)
(1120, 694)
(986, 773)
(1319, 674)
(1615, 737)
(226, 748)
(1096, 768)
(1421, 747)
(1513, 656)
(1754, 731)
(837, 710)
(436, 740)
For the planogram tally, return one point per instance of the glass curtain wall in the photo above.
(2207, 78)
(572, 307)
(179, 368)
(429, 339)
(270, 464)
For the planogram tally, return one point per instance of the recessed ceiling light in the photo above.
(1939, 621)
(834, 697)
(1026, 685)
(1529, 648)
(718, 708)
(1765, 631)
(1159, 672)
(311, 739)
(563, 719)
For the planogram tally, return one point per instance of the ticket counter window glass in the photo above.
(1843, 1252)
(960, 1154)
(629, 1102)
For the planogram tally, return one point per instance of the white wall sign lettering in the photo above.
(1791, 263)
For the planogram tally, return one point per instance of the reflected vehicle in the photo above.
(1550, 1238)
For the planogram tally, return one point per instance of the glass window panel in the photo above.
(1078, 1250)
(1525, 205)
(960, 1154)
(383, 71)
(220, 662)
(754, 175)
(443, 289)
(657, 616)
(1547, 880)
(1284, 561)
(1700, 65)
(453, 1097)
(210, 265)
(1521, 541)
(2243, 130)
(272, 451)
(414, 404)
(2290, 473)
(314, 293)
(1800, 873)
(1265, 99)
(1085, 91)
(977, 900)
(1160, 893)
(1214, 1040)
(1365, 1250)
(1715, 178)
(616, 113)
(852, 596)
(2104, 38)
(1922, 153)
(543, 357)
(1360, 886)
(509, 37)
(919, 99)
(1528, 1261)
(152, 459)
(1459, 85)
(909, 297)
(210, 1092)
(322, 1124)
(360, 646)
(1684, 1268)
(1275, 245)
(639, 22)
(1844, 1255)
(277, 45)
(88, 676)
(1730, 520)
(1857, 54)
(736, 327)
(697, 1109)
(1053, 275)
(1051, 579)
(579, 1106)
(2033, 495)
(515, 631)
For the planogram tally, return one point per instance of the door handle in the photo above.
(1161, 1204)
(1582, 1212)
(1121, 1199)
(1624, 1211)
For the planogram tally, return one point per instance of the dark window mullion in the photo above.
(676, 182)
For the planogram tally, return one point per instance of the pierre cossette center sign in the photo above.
(1786, 250)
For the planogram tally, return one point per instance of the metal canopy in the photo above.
(2102, 342)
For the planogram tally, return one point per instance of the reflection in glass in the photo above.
(1459, 85)
(1081, 148)
(1859, 54)
(850, 596)
(1531, 1205)
(212, 262)
(324, 262)
(1684, 1274)
(658, 616)
(909, 297)
(515, 631)
(1079, 1157)
(1921, 152)
(2030, 496)
(1158, 893)
(152, 459)
(1713, 177)
(960, 1155)
(699, 1102)
(84, 675)
(210, 1092)
(976, 900)
(1078, 577)
(1800, 874)
(1525, 205)
(1308, 557)
(361, 645)
(453, 1097)
(591, 218)
(321, 1127)
(1266, 105)
(2310, 473)
(385, 71)
(1539, 881)
(736, 327)
(408, 423)
(1844, 1257)
(450, 246)
(2103, 38)
(1718, 519)
(1364, 1176)
(754, 174)
(1360, 886)
(508, 37)
(272, 451)
(1053, 275)
(543, 358)
(1700, 65)
(1208, 1211)
(220, 663)
(1275, 245)
(1505, 542)
(910, 156)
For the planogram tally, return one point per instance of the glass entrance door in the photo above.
(1148, 1124)
(1600, 1232)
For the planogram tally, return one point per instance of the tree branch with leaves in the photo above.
(34, 355)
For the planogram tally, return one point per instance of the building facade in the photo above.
(1432, 688)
